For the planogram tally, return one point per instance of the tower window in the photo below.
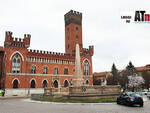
(77, 28)
(68, 46)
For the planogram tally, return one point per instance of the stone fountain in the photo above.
(78, 90)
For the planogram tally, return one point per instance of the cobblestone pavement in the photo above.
(25, 106)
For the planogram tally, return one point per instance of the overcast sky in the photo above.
(114, 41)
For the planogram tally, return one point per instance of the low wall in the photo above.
(56, 91)
(84, 92)
(98, 90)
(23, 91)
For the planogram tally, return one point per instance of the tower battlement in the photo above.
(17, 42)
(73, 17)
(87, 51)
(75, 13)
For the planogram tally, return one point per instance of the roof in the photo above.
(100, 73)
(143, 68)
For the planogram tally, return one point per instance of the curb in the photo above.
(58, 103)
(13, 97)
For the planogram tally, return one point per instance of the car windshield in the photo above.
(134, 95)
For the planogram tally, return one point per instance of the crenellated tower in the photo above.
(73, 31)
(16, 42)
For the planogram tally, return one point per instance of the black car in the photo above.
(130, 98)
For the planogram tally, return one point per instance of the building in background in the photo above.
(100, 77)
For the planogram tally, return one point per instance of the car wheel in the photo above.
(141, 105)
(118, 102)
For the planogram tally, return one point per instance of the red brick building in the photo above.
(30, 71)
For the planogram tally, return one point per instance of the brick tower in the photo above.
(73, 31)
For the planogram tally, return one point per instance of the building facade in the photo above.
(26, 71)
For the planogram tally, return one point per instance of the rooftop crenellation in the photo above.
(47, 53)
(73, 17)
(17, 42)
(88, 51)
(75, 13)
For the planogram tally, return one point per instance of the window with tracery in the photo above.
(86, 67)
(16, 64)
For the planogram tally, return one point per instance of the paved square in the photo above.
(24, 106)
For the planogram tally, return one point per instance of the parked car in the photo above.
(144, 92)
(130, 98)
(148, 94)
(2, 92)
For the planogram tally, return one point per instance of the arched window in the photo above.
(87, 83)
(66, 71)
(44, 85)
(66, 83)
(15, 83)
(55, 84)
(16, 64)
(55, 70)
(32, 85)
(33, 69)
(45, 70)
(86, 67)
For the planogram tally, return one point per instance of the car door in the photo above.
(124, 98)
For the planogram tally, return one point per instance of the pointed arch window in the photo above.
(66, 84)
(32, 85)
(44, 84)
(15, 83)
(55, 84)
(16, 64)
(86, 67)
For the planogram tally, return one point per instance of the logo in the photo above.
(139, 16)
